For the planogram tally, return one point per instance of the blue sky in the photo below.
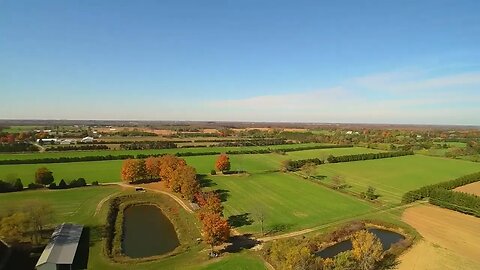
(249, 60)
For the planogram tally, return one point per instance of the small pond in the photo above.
(147, 232)
(387, 238)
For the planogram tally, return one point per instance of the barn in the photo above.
(60, 252)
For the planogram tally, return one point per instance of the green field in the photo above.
(237, 262)
(288, 201)
(5, 156)
(109, 171)
(392, 177)
(71, 205)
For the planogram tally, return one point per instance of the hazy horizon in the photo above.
(276, 61)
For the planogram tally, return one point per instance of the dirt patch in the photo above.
(473, 188)
(448, 235)
(425, 255)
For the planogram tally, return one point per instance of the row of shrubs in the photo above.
(80, 182)
(148, 145)
(141, 156)
(294, 165)
(17, 147)
(367, 156)
(458, 201)
(78, 147)
(11, 186)
(425, 191)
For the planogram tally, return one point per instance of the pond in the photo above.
(147, 232)
(387, 238)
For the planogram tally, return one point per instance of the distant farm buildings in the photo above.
(87, 140)
(60, 251)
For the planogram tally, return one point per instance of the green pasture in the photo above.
(324, 153)
(289, 202)
(8, 156)
(109, 171)
(392, 177)
(70, 205)
(239, 261)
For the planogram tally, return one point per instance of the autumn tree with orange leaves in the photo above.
(133, 170)
(210, 203)
(215, 229)
(168, 165)
(223, 163)
(152, 167)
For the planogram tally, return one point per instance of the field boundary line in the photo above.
(100, 203)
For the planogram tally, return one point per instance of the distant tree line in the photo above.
(425, 191)
(256, 142)
(78, 147)
(18, 147)
(181, 154)
(367, 156)
(148, 145)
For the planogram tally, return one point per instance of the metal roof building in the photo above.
(60, 251)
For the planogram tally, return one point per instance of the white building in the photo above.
(60, 251)
(87, 140)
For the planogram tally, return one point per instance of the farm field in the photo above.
(392, 177)
(109, 171)
(70, 205)
(473, 188)
(237, 262)
(324, 153)
(288, 201)
(451, 239)
(4, 156)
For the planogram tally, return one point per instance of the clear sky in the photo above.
(244, 60)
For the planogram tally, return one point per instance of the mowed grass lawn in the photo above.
(71, 205)
(392, 177)
(288, 201)
(109, 171)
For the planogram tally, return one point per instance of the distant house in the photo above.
(52, 141)
(68, 141)
(87, 140)
(60, 251)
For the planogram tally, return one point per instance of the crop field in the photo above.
(288, 202)
(71, 205)
(392, 177)
(4, 156)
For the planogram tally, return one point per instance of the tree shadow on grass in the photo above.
(240, 242)
(223, 194)
(204, 181)
(239, 220)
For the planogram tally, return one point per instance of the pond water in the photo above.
(147, 232)
(387, 238)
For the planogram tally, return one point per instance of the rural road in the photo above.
(178, 200)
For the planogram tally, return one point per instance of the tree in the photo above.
(223, 163)
(299, 257)
(259, 214)
(338, 182)
(209, 202)
(133, 170)
(40, 214)
(367, 250)
(189, 184)
(13, 228)
(152, 167)
(285, 165)
(308, 169)
(168, 165)
(215, 229)
(370, 194)
(344, 261)
(18, 185)
(62, 184)
(43, 176)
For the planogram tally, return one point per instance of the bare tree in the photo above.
(260, 215)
